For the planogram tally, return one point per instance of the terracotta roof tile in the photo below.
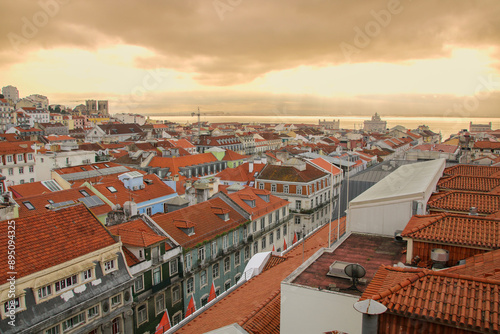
(29, 189)
(241, 173)
(459, 301)
(48, 239)
(253, 295)
(261, 207)
(203, 217)
(273, 261)
(233, 156)
(484, 265)
(472, 231)
(130, 257)
(291, 174)
(136, 233)
(462, 201)
(40, 202)
(265, 319)
(469, 183)
(472, 170)
(175, 163)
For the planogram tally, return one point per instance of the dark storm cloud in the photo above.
(226, 42)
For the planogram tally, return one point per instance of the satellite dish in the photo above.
(355, 271)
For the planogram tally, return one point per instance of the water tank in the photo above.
(440, 255)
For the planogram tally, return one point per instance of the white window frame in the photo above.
(144, 317)
(141, 280)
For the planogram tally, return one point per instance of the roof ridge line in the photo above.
(260, 307)
(405, 282)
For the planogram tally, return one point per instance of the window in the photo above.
(11, 171)
(316, 201)
(190, 285)
(263, 242)
(44, 291)
(29, 205)
(227, 264)
(30, 156)
(255, 247)
(271, 238)
(299, 190)
(255, 226)
(213, 249)
(312, 203)
(215, 270)
(84, 193)
(10, 159)
(261, 185)
(235, 237)
(165, 207)
(176, 319)
(247, 252)
(188, 261)
(148, 211)
(111, 189)
(109, 266)
(53, 330)
(297, 219)
(204, 300)
(93, 312)
(273, 187)
(245, 233)
(32, 180)
(278, 232)
(176, 294)
(116, 300)
(174, 267)
(87, 274)
(224, 242)
(321, 198)
(284, 230)
(160, 303)
(21, 181)
(31, 169)
(237, 256)
(285, 189)
(156, 275)
(203, 278)
(201, 253)
(227, 285)
(21, 170)
(73, 322)
(65, 283)
(16, 302)
(142, 313)
(262, 223)
(20, 157)
(138, 284)
(310, 189)
(298, 205)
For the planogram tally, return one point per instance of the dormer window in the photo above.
(185, 226)
(111, 189)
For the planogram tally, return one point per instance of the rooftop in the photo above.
(473, 170)
(290, 174)
(370, 251)
(136, 233)
(463, 201)
(470, 183)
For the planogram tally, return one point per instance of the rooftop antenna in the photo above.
(355, 271)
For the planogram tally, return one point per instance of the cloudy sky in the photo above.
(330, 57)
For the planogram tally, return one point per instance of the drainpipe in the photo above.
(370, 310)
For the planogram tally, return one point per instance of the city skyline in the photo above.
(323, 57)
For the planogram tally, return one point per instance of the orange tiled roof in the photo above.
(274, 260)
(175, 163)
(241, 173)
(29, 189)
(265, 319)
(39, 202)
(326, 165)
(459, 301)
(130, 257)
(15, 147)
(48, 239)
(472, 170)
(207, 224)
(472, 231)
(484, 265)
(154, 190)
(486, 144)
(241, 303)
(233, 156)
(136, 233)
(462, 201)
(261, 207)
(469, 183)
(290, 174)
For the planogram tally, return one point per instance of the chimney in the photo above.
(473, 211)
(250, 166)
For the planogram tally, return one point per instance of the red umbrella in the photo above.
(273, 249)
(212, 294)
(284, 244)
(164, 324)
(294, 238)
(191, 308)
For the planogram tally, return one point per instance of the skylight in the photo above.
(112, 189)
(52, 185)
(84, 193)
(29, 205)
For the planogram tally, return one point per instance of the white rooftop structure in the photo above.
(390, 203)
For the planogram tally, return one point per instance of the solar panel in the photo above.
(58, 205)
(91, 201)
(94, 173)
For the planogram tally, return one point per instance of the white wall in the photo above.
(308, 310)
(380, 218)
(45, 163)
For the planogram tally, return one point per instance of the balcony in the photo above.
(270, 227)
